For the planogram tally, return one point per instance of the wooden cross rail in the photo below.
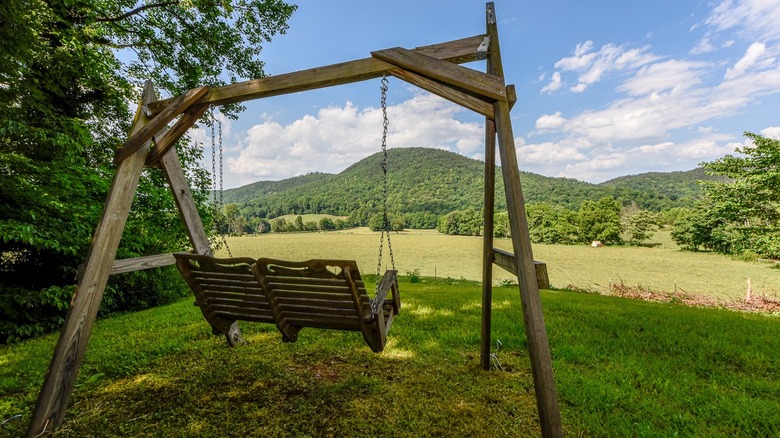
(506, 260)
(145, 262)
(458, 51)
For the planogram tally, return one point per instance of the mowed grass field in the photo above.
(623, 368)
(663, 268)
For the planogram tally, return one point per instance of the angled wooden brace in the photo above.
(486, 87)
(165, 142)
(177, 106)
(447, 92)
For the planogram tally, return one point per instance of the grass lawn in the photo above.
(623, 368)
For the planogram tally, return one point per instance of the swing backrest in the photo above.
(314, 293)
(225, 289)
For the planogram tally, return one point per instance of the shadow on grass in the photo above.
(168, 377)
(623, 368)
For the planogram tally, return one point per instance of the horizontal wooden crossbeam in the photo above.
(506, 260)
(458, 51)
(139, 263)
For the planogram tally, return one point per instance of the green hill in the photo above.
(435, 182)
(266, 188)
(657, 190)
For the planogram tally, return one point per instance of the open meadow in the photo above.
(661, 268)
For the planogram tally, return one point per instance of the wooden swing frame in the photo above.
(433, 68)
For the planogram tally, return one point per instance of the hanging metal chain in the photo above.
(385, 219)
(217, 203)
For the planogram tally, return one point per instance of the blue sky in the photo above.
(605, 87)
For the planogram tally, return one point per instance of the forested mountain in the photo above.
(658, 190)
(265, 188)
(422, 180)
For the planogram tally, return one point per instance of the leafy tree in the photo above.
(234, 220)
(696, 229)
(501, 227)
(326, 224)
(63, 111)
(279, 225)
(740, 214)
(638, 225)
(748, 203)
(461, 222)
(263, 226)
(552, 225)
(397, 224)
(600, 221)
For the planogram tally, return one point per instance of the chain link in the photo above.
(217, 200)
(385, 219)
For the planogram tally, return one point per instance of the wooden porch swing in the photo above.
(294, 295)
(433, 68)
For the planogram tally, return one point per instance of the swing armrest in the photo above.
(389, 283)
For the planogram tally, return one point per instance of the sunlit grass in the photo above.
(623, 368)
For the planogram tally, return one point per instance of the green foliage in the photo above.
(427, 183)
(600, 221)
(638, 225)
(394, 223)
(461, 222)
(63, 111)
(420, 220)
(552, 225)
(414, 276)
(741, 213)
(326, 224)
(656, 191)
(501, 226)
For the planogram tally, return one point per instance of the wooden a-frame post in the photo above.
(435, 69)
(68, 354)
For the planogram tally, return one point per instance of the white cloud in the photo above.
(592, 66)
(667, 96)
(581, 58)
(553, 121)
(339, 136)
(703, 149)
(662, 76)
(771, 132)
(548, 153)
(704, 46)
(555, 83)
(751, 18)
(752, 55)
(653, 147)
(605, 162)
